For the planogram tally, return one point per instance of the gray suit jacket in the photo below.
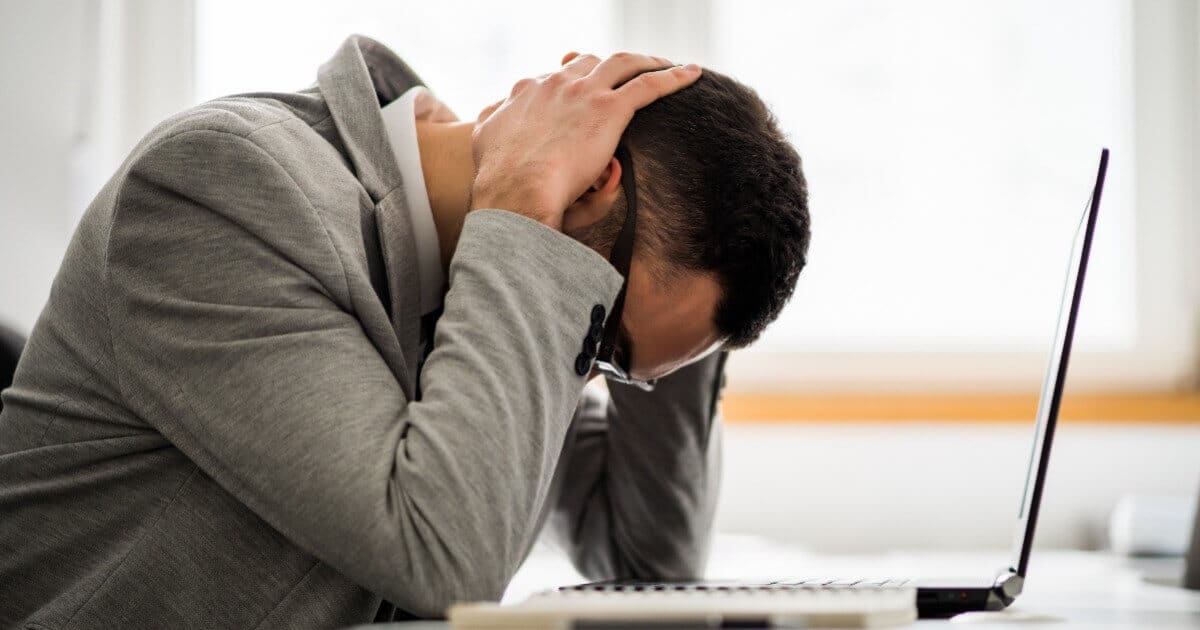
(214, 422)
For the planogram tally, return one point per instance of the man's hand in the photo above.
(537, 151)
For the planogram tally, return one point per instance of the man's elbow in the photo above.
(432, 598)
(684, 565)
(669, 562)
(445, 569)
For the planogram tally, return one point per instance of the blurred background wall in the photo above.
(949, 148)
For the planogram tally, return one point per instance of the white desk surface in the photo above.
(1079, 589)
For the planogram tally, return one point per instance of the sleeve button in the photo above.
(583, 364)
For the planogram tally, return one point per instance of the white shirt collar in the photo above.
(399, 122)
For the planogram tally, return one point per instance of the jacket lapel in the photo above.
(362, 76)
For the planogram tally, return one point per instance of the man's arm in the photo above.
(231, 318)
(641, 478)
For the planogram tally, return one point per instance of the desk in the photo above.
(1083, 589)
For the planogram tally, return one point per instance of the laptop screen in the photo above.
(1056, 371)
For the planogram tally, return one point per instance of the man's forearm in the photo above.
(643, 473)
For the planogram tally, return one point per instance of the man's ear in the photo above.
(595, 203)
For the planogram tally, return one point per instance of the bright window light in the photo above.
(949, 148)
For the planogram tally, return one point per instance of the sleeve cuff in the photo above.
(545, 252)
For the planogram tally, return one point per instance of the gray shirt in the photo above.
(214, 423)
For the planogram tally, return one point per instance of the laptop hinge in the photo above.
(1008, 584)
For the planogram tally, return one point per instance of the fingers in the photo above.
(571, 55)
(623, 66)
(580, 65)
(642, 79)
(577, 66)
(651, 86)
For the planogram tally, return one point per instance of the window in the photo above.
(949, 149)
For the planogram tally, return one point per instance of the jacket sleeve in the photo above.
(641, 476)
(235, 338)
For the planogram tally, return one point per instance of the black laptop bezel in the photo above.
(1035, 500)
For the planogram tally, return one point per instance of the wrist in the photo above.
(523, 197)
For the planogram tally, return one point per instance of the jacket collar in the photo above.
(361, 77)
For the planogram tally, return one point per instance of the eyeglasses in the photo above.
(614, 354)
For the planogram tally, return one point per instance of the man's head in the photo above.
(723, 226)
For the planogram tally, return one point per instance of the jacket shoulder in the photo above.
(237, 115)
(254, 145)
(248, 174)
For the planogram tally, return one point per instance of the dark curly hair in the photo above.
(720, 189)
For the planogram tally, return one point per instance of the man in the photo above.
(314, 359)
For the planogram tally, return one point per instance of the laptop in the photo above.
(943, 598)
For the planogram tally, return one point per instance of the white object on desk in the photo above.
(780, 608)
(1151, 525)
